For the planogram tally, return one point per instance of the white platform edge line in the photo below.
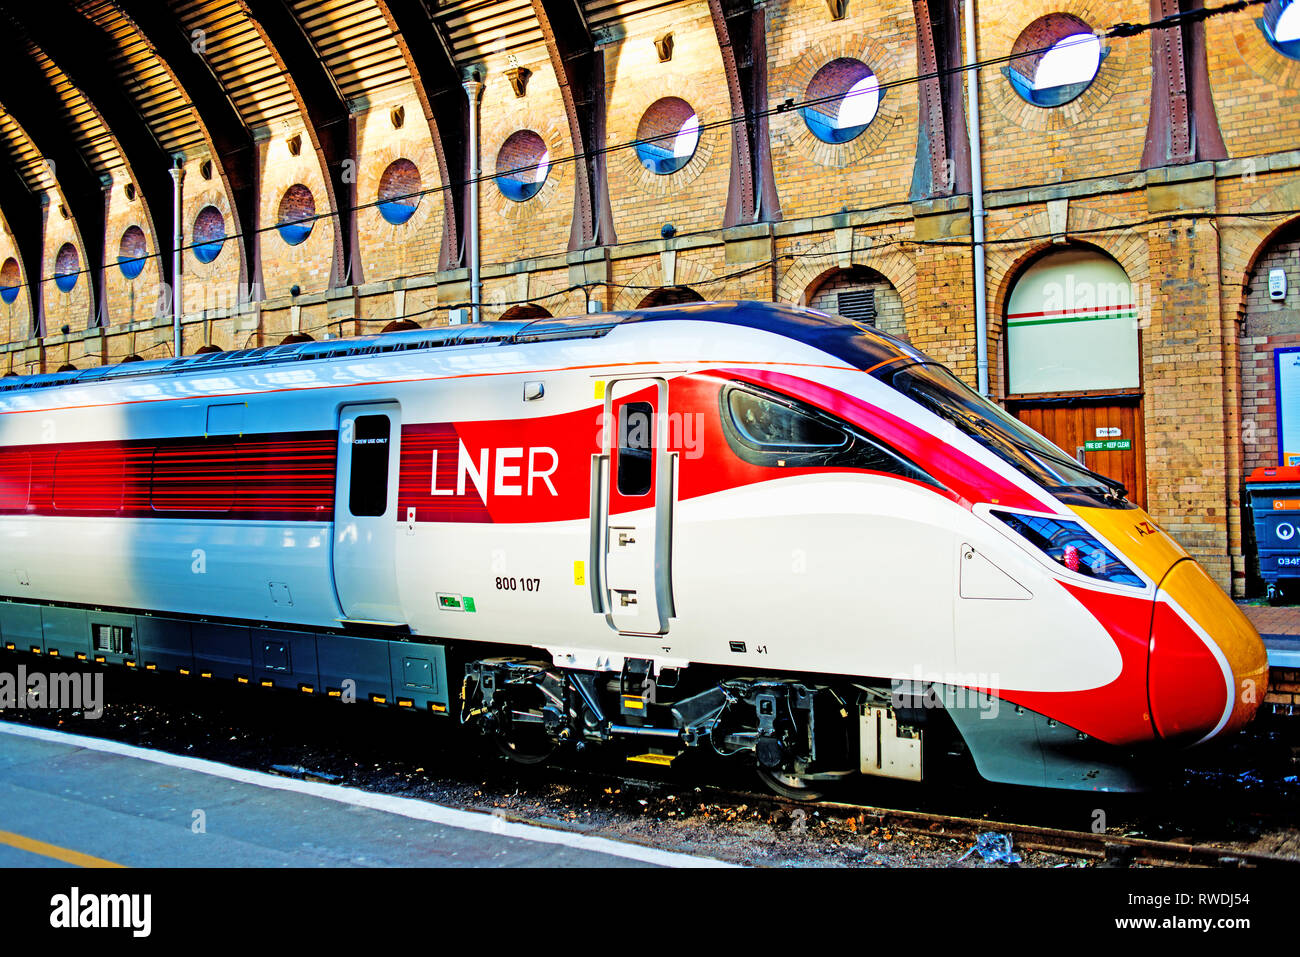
(392, 804)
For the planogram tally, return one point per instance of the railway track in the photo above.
(1108, 849)
(244, 736)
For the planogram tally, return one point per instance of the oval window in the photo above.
(66, 268)
(1054, 60)
(843, 97)
(9, 280)
(667, 135)
(132, 252)
(523, 164)
(297, 214)
(399, 191)
(209, 234)
(1281, 26)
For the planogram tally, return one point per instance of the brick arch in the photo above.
(1241, 248)
(812, 267)
(651, 276)
(1007, 259)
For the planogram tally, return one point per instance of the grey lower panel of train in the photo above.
(406, 673)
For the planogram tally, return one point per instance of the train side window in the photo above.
(636, 438)
(368, 493)
(774, 430)
(15, 481)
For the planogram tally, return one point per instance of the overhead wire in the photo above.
(1119, 30)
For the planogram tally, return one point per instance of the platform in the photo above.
(74, 800)
(1280, 628)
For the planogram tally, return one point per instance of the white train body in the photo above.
(588, 489)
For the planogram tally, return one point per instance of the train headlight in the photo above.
(1071, 545)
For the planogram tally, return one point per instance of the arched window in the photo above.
(1072, 325)
(1054, 60)
(399, 325)
(667, 135)
(525, 312)
(863, 295)
(670, 296)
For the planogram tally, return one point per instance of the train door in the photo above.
(365, 513)
(633, 481)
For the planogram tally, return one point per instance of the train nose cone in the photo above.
(1208, 670)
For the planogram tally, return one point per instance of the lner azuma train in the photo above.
(745, 527)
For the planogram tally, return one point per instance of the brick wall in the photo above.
(1256, 89)
(391, 250)
(1269, 326)
(1100, 132)
(694, 197)
(814, 177)
(1196, 241)
(15, 317)
(128, 300)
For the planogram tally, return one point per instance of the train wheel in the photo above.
(792, 786)
(526, 745)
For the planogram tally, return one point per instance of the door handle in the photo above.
(625, 538)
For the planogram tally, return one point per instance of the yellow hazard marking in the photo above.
(580, 573)
(600, 388)
(33, 846)
(630, 702)
(664, 759)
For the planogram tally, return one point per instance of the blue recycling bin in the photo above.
(1275, 504)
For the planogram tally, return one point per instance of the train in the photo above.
(750, 528)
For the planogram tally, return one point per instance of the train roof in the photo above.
(859, 345)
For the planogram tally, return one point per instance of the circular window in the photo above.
(209, 234)
(132, 252)
(523, 164)
(9, 280)
(843, 97)
(667, 135)
(66, 265)
(1054, 60)
(1281, 26)
(399, 191)
(297, 214)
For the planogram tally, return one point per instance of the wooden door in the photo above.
(1105, 434)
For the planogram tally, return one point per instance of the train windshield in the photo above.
(938, 390)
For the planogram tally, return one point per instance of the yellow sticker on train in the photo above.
(1286, 504)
